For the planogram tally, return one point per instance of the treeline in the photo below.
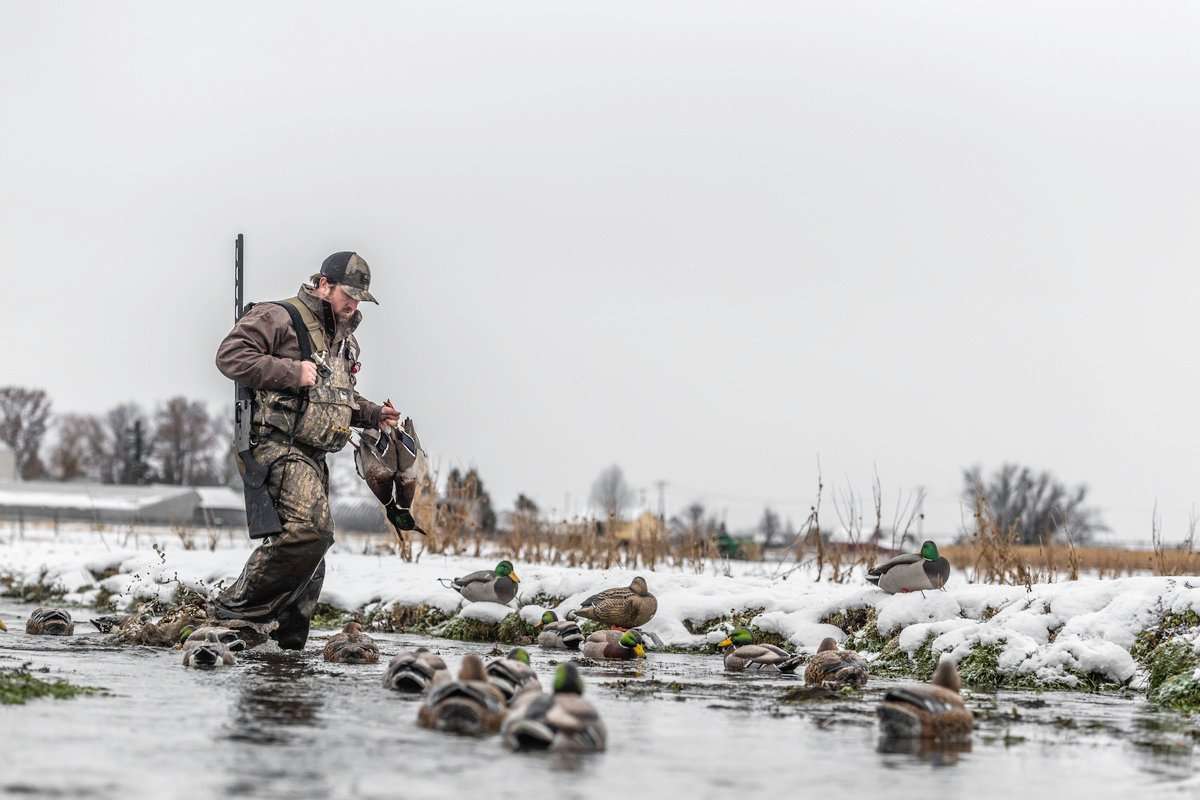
(178, 441)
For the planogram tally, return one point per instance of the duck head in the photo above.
(519, 654)
(929, 551)
(549, 618)
(567, 679)
(946, 676)
(638, 586)
(505, 570)
(738, 638)
(827, 644)
(632, 640)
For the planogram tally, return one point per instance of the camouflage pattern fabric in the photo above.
(282, 578)
(322, 420)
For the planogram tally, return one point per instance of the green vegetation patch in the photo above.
(1170, 660)
(327, 616)
(852, 620)
(399, 618)
(729, 622)
(981, 667)
(1168, 627)
(1180, 692)
(19, 685)
(510, 630)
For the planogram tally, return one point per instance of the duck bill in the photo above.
(515, 578)
(639, 650)
(725, 643)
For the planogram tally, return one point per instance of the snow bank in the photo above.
(1049, 633)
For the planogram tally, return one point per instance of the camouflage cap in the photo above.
(349, 271)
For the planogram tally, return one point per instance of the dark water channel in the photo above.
(291, 726)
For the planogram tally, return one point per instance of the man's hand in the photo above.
(308, 374)
(388, 415)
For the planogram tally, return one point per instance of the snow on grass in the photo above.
(1062, 634)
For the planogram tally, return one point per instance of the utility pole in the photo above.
(661, 485)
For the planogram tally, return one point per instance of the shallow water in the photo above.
(289, 725)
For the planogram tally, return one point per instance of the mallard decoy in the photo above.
(50, 622)
(351, 646)
(834, 668)
(494, 586)
(470, 705)
(226, 636)
(413, 671)
(563, 633)
(559, 721)
(512, 674)
(207, 652)
(624, 607)
(912, 572)
(391, 462)
(929, 711)
(623, 645)
(743, 655)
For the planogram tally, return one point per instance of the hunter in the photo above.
(303, 409)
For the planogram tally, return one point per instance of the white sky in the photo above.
(707, 241)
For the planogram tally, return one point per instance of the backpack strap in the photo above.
(309, 330)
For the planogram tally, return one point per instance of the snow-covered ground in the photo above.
(1051, 633)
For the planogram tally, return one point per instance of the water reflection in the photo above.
(277, 694)
(937, 754)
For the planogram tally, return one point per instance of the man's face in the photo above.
(343, 305)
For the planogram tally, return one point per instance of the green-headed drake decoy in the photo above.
(620, 645)
(743, 655)
(512, 674)
(498, 585)
(912, 572)
(559, 721)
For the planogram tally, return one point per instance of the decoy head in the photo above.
(567, 679)
(549, 617)
(632, 640)
(472, 668)
(639, 586)
(946, 676)
(519, 654)
(929, 551)
(828, 643)
(738, 638)
(505, 570)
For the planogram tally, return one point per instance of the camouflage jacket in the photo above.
(263, 352)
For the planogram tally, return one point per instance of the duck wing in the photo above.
(876, 572)
(930, 698)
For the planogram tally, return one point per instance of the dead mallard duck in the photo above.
(512, 674)
(834, 668)
(498, 585)
(470, 705)
(50, 622)
(413, 671)
(618, 645)
(624, 607)
(391, 463)
(562, 633)
(351, 646)
(743, 655)
(932, 711)
(559, 721)
(207, 652)
(912, 572)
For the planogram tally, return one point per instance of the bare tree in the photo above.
(1034, 507)
(24, 417)
(611, 495)
(77, 449)
(770, 527)
(183, 436)
(124, 452)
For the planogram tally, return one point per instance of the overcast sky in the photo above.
(711, 243)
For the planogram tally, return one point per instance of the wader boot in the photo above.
(282, 578)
